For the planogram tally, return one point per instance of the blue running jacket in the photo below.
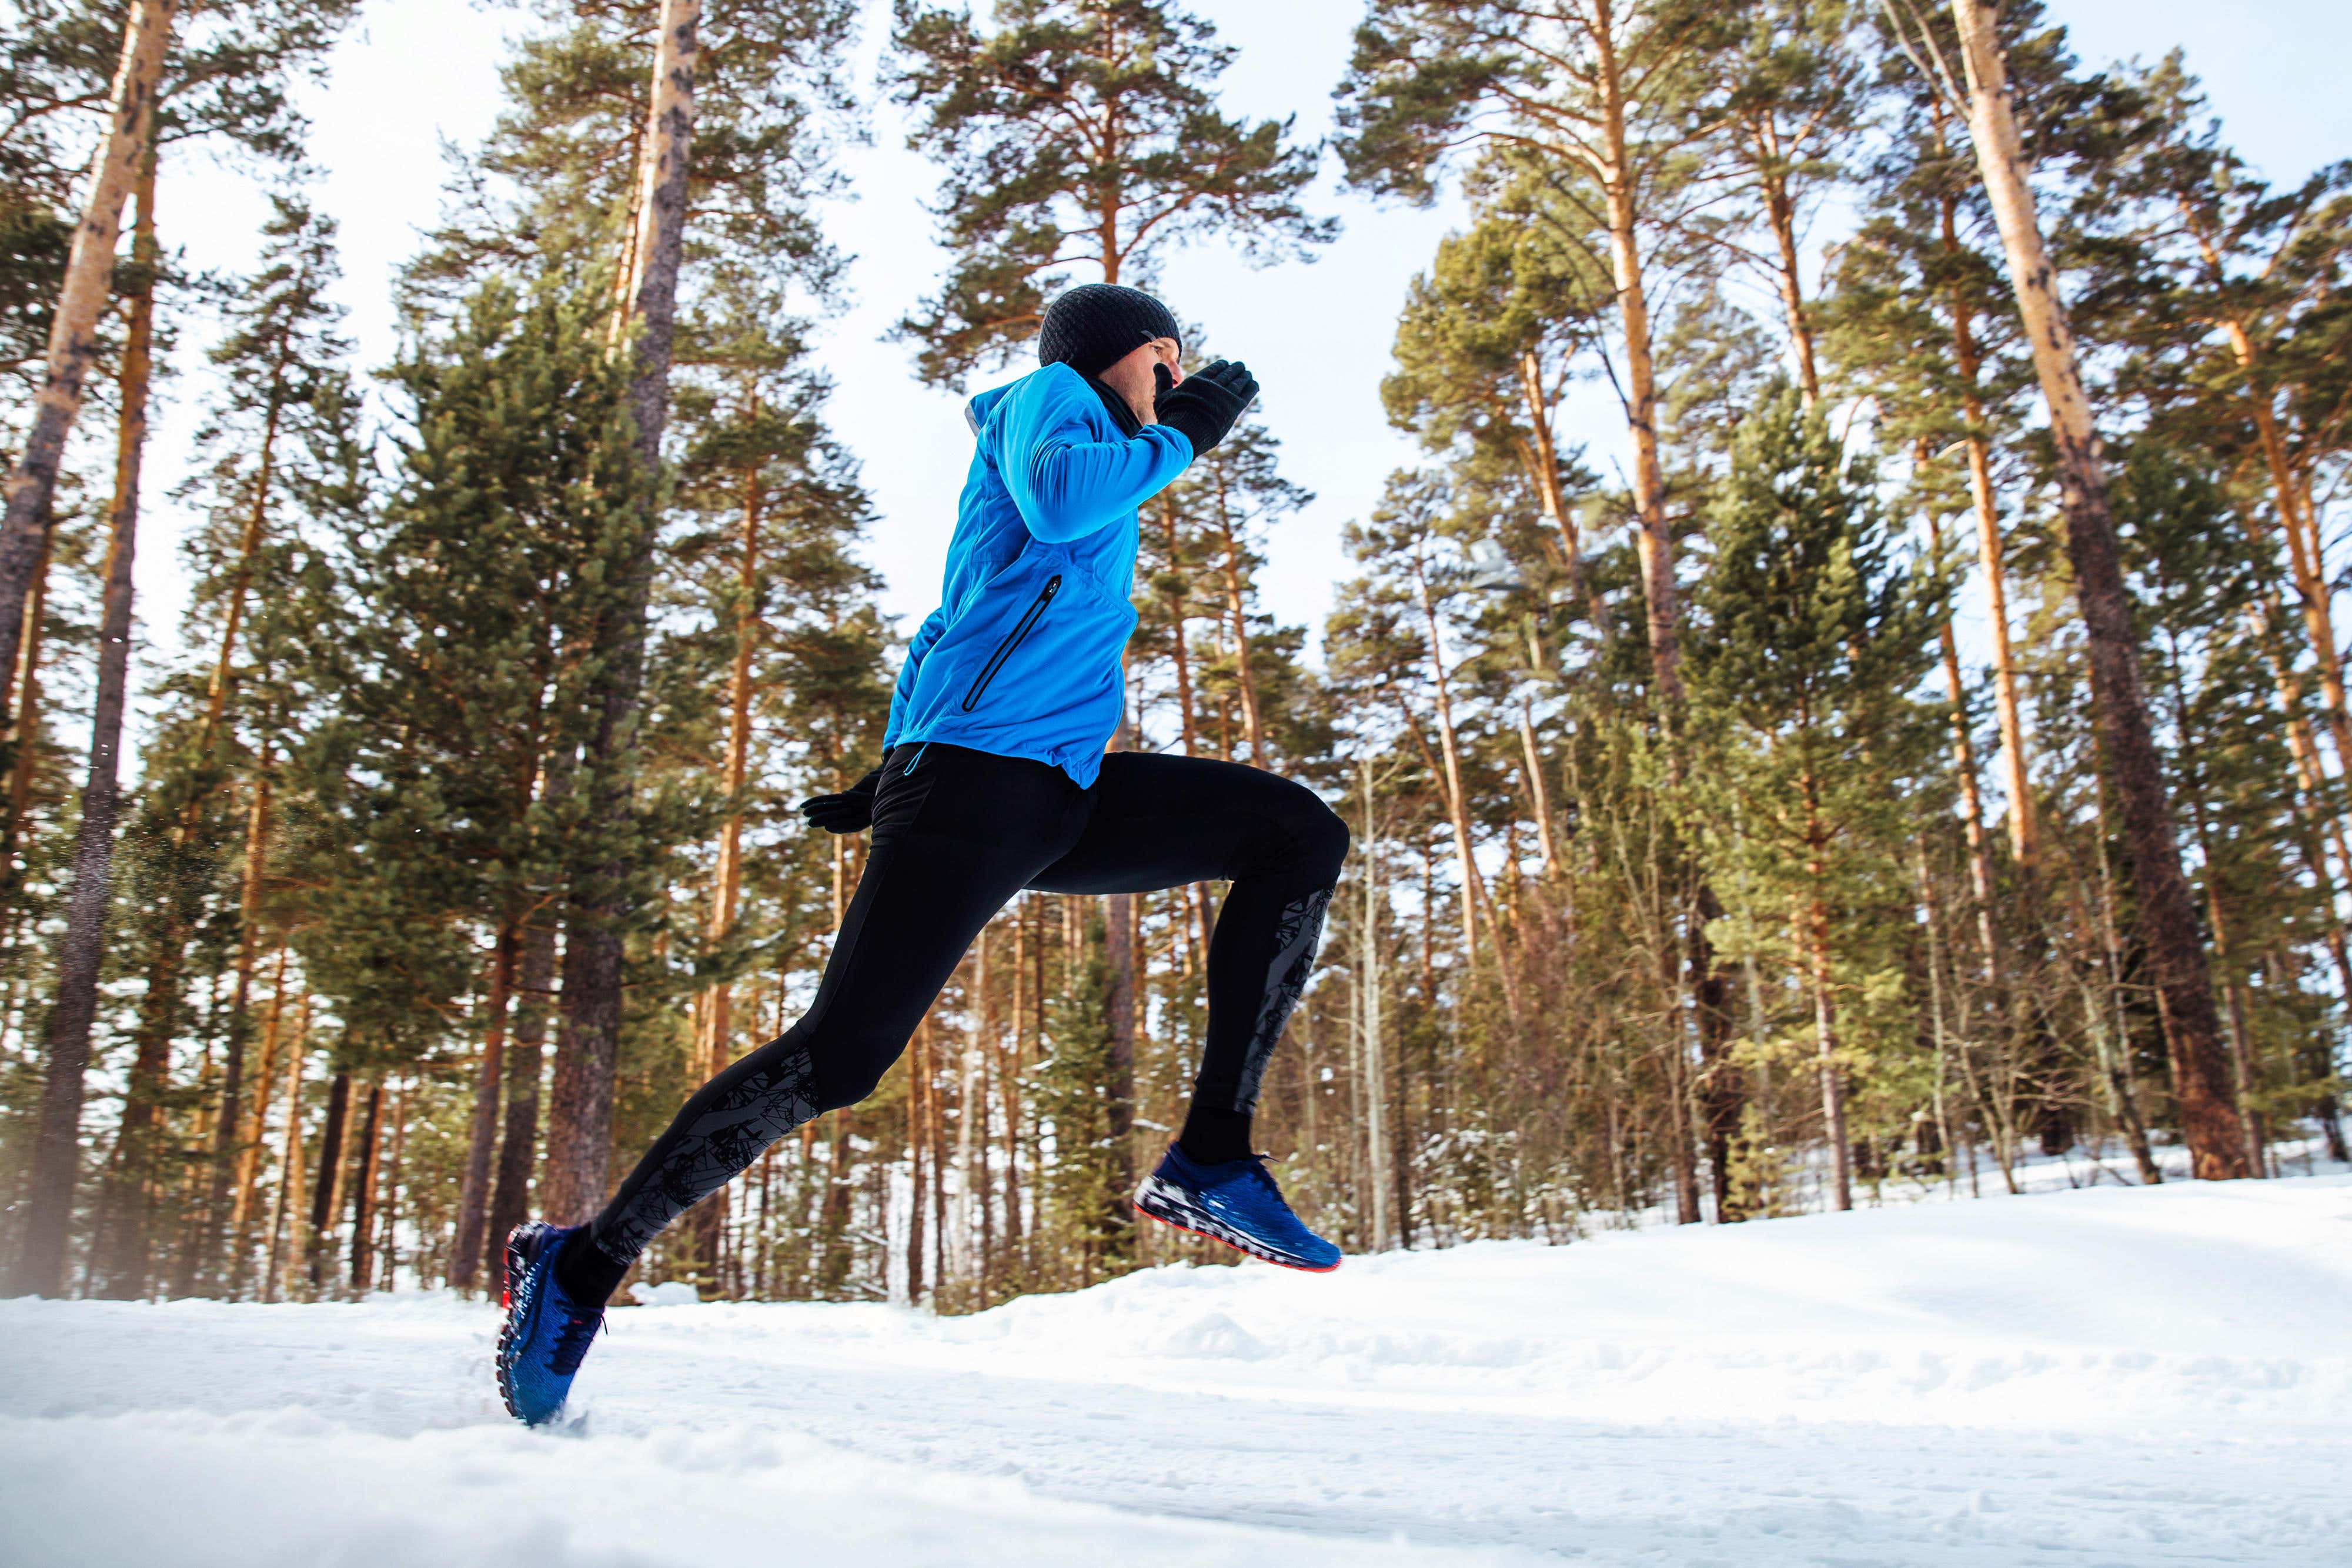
(1022, 657)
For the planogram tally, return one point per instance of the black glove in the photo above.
(1207, 404)
(851, 811)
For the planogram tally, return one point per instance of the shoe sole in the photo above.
(1136, 1203)
(516, 1268)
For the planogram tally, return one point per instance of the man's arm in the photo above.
(1064, 480)
(1069, 487)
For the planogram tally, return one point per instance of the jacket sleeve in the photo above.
(903, 694)
(1067, 482)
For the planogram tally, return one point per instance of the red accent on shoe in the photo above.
(1297, 1268)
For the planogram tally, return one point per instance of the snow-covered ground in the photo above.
(2107, 1376)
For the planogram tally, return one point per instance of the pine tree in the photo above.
(128, 147)
(1487, 343)
(479, 600)
(53, 1178)
(221, 72)
(776, 510)
(1087, 1183)
(1618, 133)
(1609, 155)
(1791, 87)
(282, 446)
(2199, 584)
(602, 892)
(227, 82)
(1080, 133)
(2166, 916)
(625, 123)
(1816, 635)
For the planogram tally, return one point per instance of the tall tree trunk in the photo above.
(1817, 959)
(1781, 217)
(1458, 811)
(2306, 560)
(935, 1129)
(978, 1182)
(128, 1198)
(24, 719)
(2321, 831)
(919, 1090)
(481, 1131)
(364, 1193)
(1197, 905)
(2305, 563)
(395, 1173)
(126, 1225)
(249, 1144)
(581, 1132)
(327, 1190)
(57, 1147)
(2024, 831)
(2116, 1060)
(248, 555)
(833, 1239)
(1236, 608)
(2200, 1062)
(1964, 762)
(1923, 891)
(159, 1008)
(277, 1274)
(1367, 989)
(2242, 1049)
(971, 1113)
(230, 1125)
(526, 1058)
(1120, 1003)
(1720, 1095)
(1542, 456)
(1008, 1083)
(716, 1018)
(1538, 790)
(2309, 569)
(1653, 535)
(1616, 170)
(124, 158)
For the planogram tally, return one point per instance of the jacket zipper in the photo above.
(1012, 640)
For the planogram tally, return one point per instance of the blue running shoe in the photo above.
(1236, 1203)
(547, 1334)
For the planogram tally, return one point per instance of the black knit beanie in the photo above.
(1093, 326)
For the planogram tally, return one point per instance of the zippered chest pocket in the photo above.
(1012, 640)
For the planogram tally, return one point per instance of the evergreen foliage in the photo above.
(1080, 133)
(1733, 837)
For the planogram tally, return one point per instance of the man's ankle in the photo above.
(587, 1276)
(1214, 1137)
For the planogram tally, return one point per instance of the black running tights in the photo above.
(957, 833)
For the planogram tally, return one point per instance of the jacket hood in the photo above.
(976, 411)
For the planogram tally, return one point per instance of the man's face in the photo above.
(1136, 377)
(1166, 352)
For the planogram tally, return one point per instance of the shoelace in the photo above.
(572, 1342)
(1264, 1179)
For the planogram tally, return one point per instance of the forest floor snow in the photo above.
(2108, 1377)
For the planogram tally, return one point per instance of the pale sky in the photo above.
(416, 73)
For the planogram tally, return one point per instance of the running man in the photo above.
(995, 779)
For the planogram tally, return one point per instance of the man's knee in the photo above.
(850, 1070)
(1318, 838)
